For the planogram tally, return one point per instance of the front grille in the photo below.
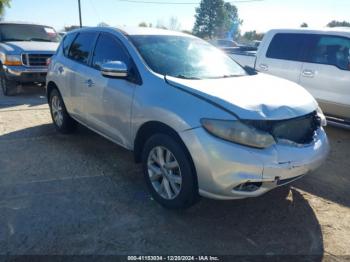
(300, 130)
(35, 59)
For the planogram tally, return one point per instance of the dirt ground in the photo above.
(81, 194)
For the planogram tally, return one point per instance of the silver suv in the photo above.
(24, 53)
(199, 123)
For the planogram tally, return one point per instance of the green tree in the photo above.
(3, 5)
(304, 25)
(335, 23)
(250, 36)
(102, 24)
(214, 18)
(143, 24)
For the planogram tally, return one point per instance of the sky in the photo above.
(260, 15)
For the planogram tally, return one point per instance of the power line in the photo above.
(182, 3)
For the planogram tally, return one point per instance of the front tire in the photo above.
(168, 172)
(60, 117)
(9, 88)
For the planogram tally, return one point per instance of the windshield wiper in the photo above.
(12, 40)
(39, 39)
(188, 77)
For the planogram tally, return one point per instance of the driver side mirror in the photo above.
(116, 69)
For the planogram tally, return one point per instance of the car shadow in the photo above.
(332, 180)
(82, 194)
(28, 94)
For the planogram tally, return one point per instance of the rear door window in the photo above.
(331, 50)
(82, 47)
(286, 46)
(67, 42)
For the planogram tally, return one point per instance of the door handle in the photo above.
(60, 69)
(264, 67)
(308, 73)
(89, 83)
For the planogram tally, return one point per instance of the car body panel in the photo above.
(239, 94)
(117, 109)
(329, 84)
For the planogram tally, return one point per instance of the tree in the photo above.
(103, 24)
(214, 18)
(335, 23)
(174, 24)
(304, 25)
(160, 24)
(3, 5)
(251, 36)
(143, 24)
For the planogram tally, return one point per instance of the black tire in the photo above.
(188, 194)
(68, 124)
(9, 88)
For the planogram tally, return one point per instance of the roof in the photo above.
(22, 23)
(333, 30)
(129, 30)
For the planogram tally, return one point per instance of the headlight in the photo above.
(323, 120)
(237, 132)
(12, 60)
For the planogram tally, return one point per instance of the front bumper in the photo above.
(25, 74)
(222, 166)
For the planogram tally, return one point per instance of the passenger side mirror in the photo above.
(117, 69)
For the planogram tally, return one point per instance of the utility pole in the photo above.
(81, 23)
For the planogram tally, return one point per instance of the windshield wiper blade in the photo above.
(39, 39)
(12, 40)
(188, 77)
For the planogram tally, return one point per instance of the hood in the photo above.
(259, 97)
(18, 47)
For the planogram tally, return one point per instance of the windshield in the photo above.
(18, 32)
(185, 57)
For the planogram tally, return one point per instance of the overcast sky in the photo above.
(261, 15)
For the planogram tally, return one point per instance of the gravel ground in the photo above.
(81, 194)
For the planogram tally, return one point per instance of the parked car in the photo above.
(24, 52)
(224, 43)
(319, 60)
(199, 123)
(230, 46)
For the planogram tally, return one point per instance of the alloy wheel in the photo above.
(164, 172)
(57, 110)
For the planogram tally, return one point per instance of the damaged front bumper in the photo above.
(230, 171)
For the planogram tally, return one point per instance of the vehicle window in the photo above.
(185, 57)
(108, 49)
(82, 47)
(67, 41)
(23, 32)
(332, 50)
(286, 47)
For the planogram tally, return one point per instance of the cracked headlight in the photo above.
(238, 132)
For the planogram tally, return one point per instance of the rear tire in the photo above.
(168, 172)
(60, 117)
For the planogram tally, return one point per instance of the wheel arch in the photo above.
(151, 128)
(51, 86)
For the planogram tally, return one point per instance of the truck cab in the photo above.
(25, 50)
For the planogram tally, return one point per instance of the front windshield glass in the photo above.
(23, 32)
(185, 57)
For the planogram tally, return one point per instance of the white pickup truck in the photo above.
(319, 60)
